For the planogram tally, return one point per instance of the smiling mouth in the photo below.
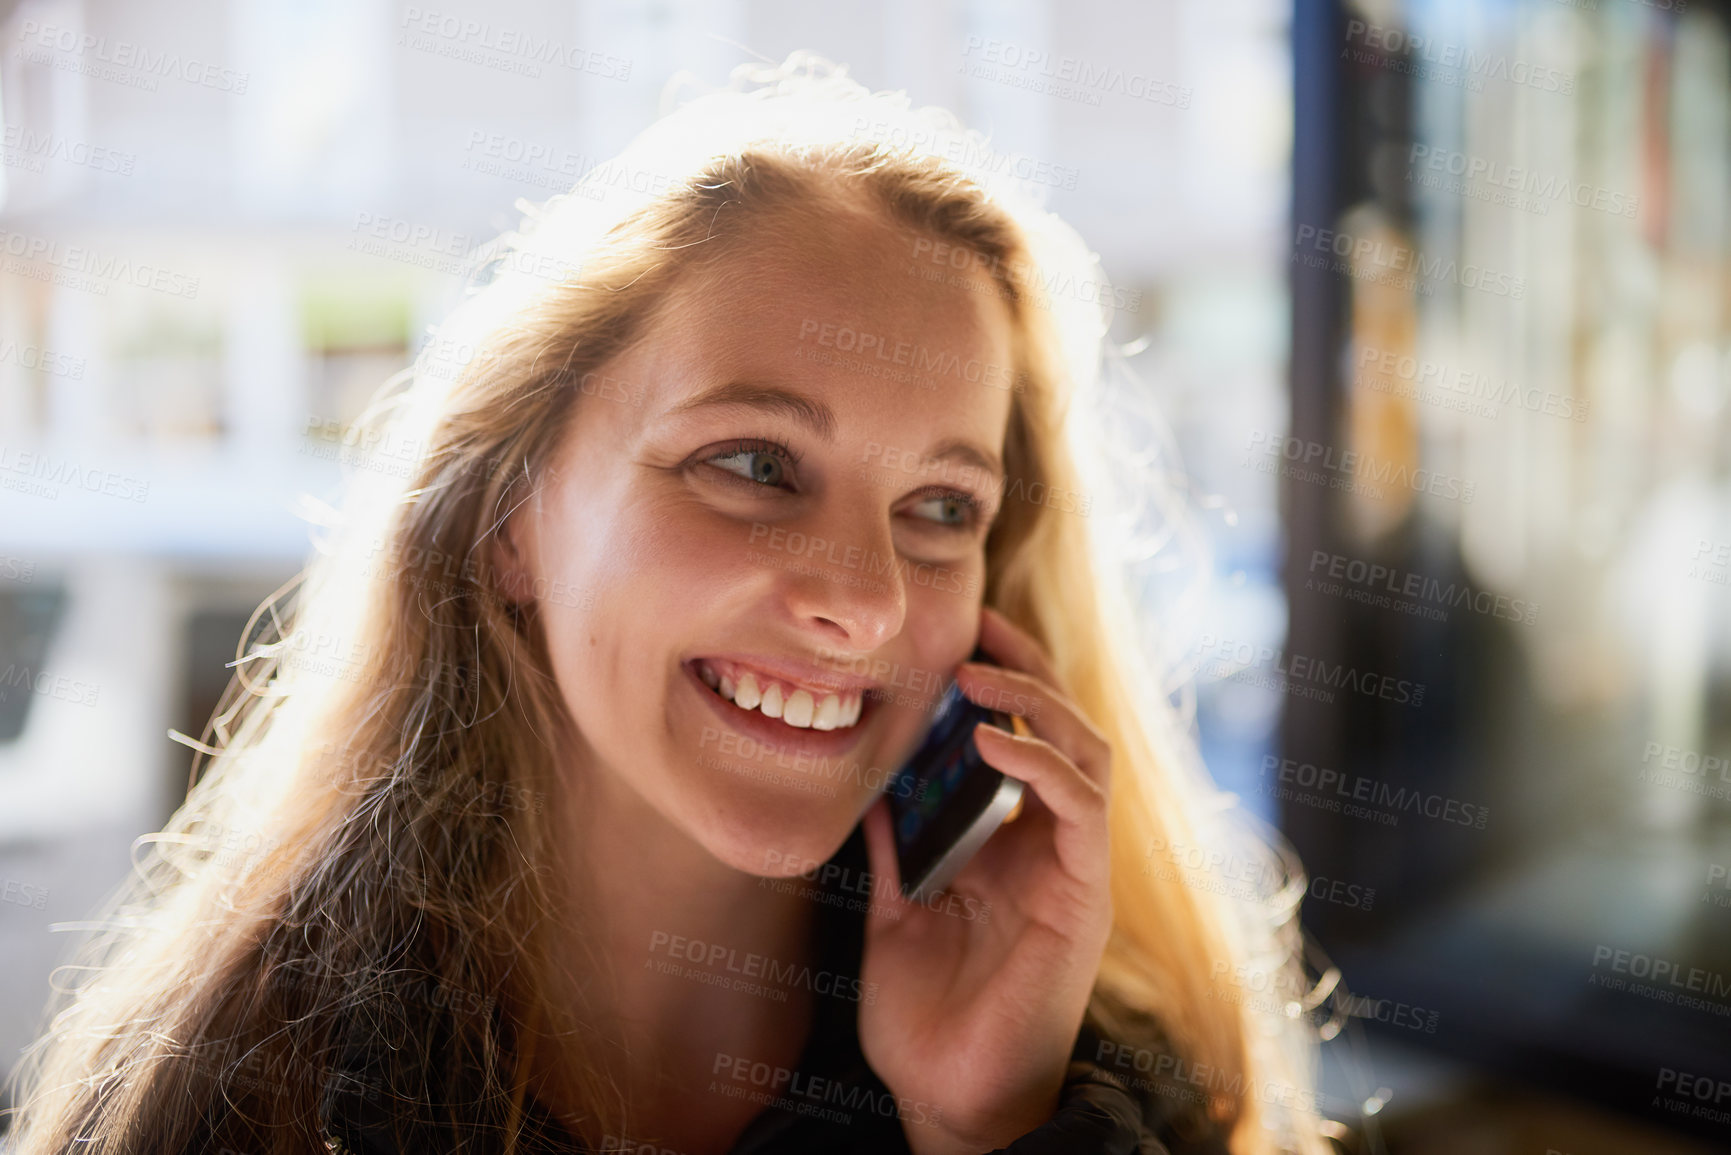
(797, 706)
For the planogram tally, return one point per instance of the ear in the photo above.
(508, 554)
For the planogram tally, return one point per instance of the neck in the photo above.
(662, 913)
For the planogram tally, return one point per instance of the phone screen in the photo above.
(946, 801)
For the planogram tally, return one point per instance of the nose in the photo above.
(845, 588)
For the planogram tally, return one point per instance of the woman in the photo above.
(557, 796)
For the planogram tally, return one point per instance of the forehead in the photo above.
(845, 302)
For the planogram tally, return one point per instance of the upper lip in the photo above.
(796, 673)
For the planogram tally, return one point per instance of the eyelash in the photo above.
(776, 449)
(791, 459)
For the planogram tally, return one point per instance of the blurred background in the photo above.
(1432, 296)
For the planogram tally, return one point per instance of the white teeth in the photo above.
(745, 695)
(797, 712)
(800, 708)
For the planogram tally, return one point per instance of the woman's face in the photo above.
(780, 493)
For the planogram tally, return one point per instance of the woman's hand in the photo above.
(979, 1003)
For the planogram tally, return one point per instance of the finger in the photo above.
(1013, 647)
(1076, 802)
(887, 903)
(1052, 717)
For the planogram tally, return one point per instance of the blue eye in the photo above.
(953, 510)
(763, 462)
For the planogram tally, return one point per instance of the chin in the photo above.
(773, 829)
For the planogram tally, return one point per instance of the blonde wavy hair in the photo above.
(364, 864)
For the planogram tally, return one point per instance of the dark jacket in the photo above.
(835, 1103)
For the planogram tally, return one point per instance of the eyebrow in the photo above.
(969, 452)
(815, 415)
(818, 417)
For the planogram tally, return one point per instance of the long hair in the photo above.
(359, 893)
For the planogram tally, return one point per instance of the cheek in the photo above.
(939, 635)
(943, 619)
(626, 587)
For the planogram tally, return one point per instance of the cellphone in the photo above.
(946, 801)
